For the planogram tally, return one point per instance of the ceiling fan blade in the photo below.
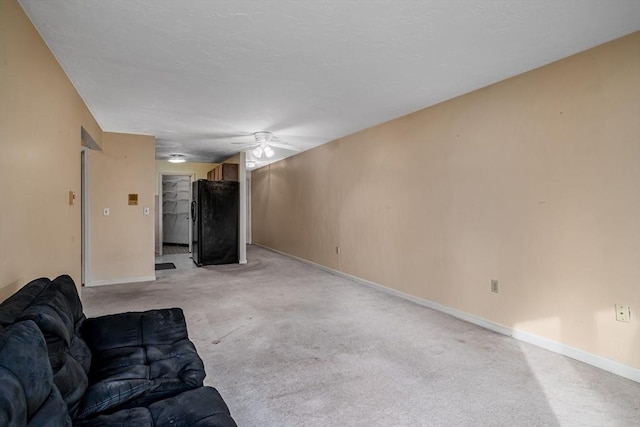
(222, 137)
(249, 141)
(284, 146)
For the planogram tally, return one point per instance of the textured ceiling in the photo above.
(203, 75)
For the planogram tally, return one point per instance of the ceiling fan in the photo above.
(263, 147)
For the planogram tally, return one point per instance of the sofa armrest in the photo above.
(28, 395)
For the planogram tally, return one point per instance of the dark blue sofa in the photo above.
(58, 368)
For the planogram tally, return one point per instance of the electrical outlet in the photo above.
(623, 314)
(494, 286)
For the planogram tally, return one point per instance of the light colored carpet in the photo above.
(168, 249)
(287, 344)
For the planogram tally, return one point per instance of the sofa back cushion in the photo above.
(28, 395)
(55, 307)
(14, 306)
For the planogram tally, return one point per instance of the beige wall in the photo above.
(40, 119)
(534, 181)
(122, 244)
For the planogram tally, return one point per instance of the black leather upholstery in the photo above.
(56, 308)
(135, 368)
(150, 357)
(179, 411)
(27, 392)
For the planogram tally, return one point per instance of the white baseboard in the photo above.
(603, 363)
(120, 281)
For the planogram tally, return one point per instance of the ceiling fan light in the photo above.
(268, 151)
(257, 152)
(177, 158)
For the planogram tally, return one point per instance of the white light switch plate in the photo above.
(105, 212)
(145, 211)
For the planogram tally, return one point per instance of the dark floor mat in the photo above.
(165, 266)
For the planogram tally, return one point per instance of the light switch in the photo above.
(72, 197)
(105, 212)
(146, 211)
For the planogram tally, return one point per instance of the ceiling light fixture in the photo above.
(263, 139)
(176, 158)
(251, 164)
(257, 151)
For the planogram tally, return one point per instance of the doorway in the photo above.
(84, 215)
(174, 216)
(87, 144)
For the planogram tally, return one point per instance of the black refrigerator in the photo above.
(214, 217)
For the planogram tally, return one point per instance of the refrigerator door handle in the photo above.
(193, 211)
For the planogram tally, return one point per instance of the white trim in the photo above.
(121, 281)
(88, 144)
(85, 226)
(242, 220)
(158, 244)
(190, 226)
(603, 363)
(249, 236)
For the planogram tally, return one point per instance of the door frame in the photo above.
(242, 220)
(87, 144)
(84, 215)
(248, 180)
(159, 217)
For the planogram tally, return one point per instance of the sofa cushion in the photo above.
(28, 395)
(139, 417)
(201, 407)
(56, 309)
(147, 359)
